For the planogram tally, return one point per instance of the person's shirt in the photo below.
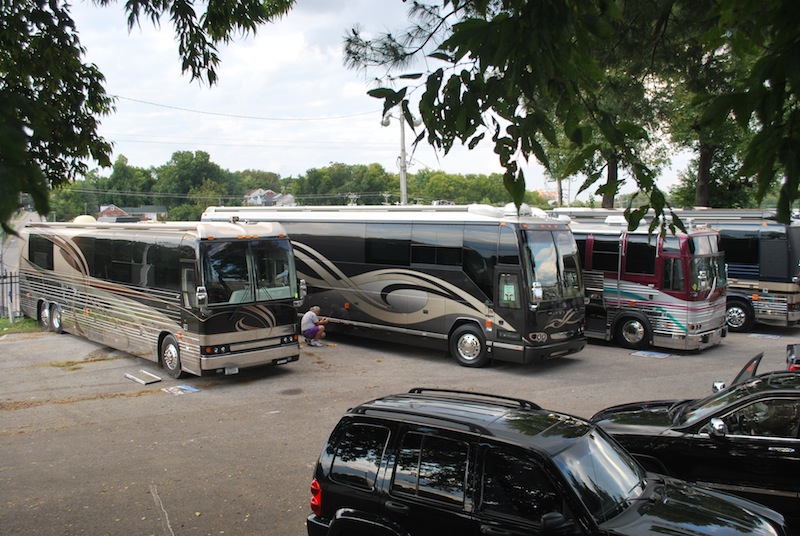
(309, 320)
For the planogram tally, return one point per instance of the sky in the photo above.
(284, 101)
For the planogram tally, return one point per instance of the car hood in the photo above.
(650, 418)
(677, 507)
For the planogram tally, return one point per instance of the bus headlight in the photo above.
(215, 350)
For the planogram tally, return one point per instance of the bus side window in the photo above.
(640, 257)
(508, 291)
(673, 275)
(188, 287)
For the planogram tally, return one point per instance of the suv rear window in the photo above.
(358, 455)
(432, 467)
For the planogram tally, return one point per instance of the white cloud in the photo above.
(284, 101)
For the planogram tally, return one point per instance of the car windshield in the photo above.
(604, 476)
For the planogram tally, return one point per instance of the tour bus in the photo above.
(647, 290)
(763, 258)
(195, 297)
(484, 282)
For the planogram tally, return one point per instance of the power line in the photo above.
(252, 117)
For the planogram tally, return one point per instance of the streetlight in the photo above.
(416, 121)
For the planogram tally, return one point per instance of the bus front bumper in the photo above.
(230, 363)
(696, 341)
(534, 354)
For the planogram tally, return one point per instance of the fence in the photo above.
(9, 295)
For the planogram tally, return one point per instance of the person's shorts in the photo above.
(311, 332)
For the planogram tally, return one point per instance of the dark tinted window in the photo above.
(673, 278)
(437, 244)
(508, 251)
(515, 485)
(580, 240)
(432, 467)
(358, 455)
(480, 255)
(165, 266)
(333, 241)
(605, 253)
(640, 257)
(40, 252)
(740, 244)
(388, 243)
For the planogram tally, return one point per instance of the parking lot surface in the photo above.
(88, 451)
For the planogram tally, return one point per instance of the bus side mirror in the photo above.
(302, 291)
(536, 290)
(201, 295)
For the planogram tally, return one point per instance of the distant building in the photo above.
(267, 198)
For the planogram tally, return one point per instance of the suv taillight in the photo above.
(316, 498)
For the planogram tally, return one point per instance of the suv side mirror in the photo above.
(718, 386)
(555, 524)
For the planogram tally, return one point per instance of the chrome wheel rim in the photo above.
(469, 347)
(633, 332)
(735, 317)
(170, 357)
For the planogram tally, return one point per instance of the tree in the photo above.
(508, 66)
(51, 102)
(187, 171)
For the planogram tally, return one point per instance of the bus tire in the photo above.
(739, 316)
(170, 355)
(44, 315)
(633, 333)
(468, 346)
(56, 324)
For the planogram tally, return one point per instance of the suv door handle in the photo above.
(396, 507)
(782, 450)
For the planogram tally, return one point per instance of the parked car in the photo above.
(793, 357)
(440, 462)
(741, 439)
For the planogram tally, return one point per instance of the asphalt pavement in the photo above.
(86, 450)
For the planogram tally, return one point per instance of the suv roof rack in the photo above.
(463, 424)
(517, 401)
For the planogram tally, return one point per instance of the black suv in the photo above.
(439, 462)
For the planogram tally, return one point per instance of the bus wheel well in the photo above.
(468, 344)
(632, 330)
(739, 314)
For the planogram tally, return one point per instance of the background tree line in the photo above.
(592, 89)
(190, 181)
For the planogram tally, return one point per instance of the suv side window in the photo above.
(359, 454)
(431, 467)
(516, 485)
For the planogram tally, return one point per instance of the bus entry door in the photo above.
(508, 305)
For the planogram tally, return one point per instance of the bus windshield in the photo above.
(239, 272)
(707, 264)
(551, 261)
